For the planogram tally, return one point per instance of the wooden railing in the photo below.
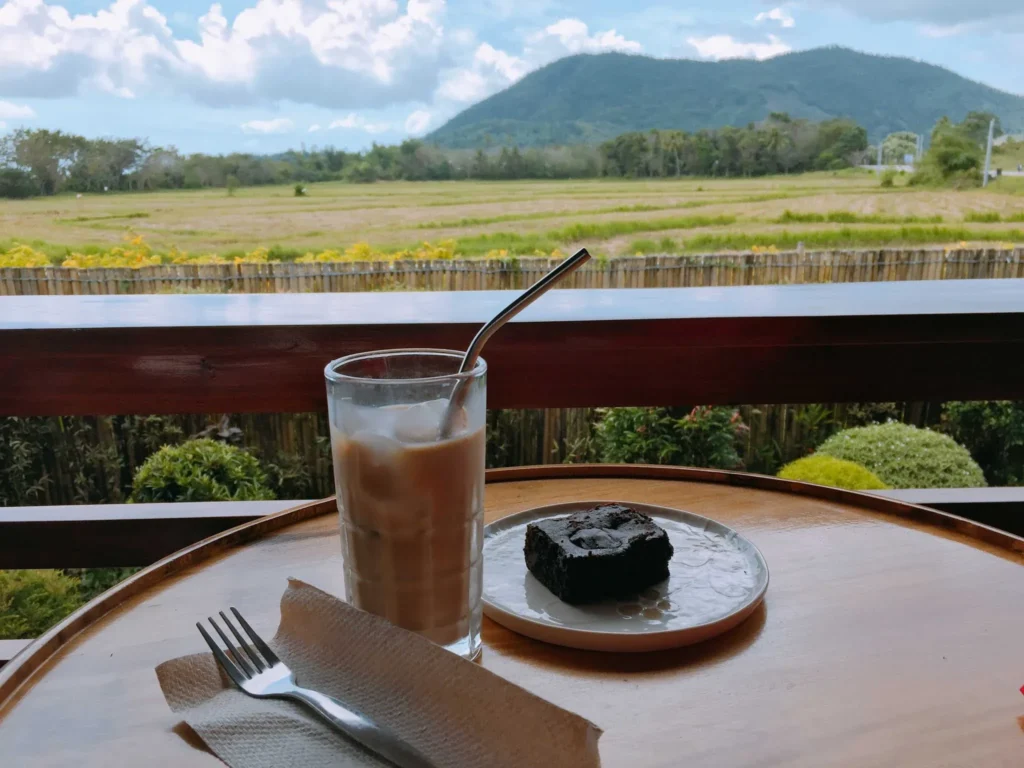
(929, 340)
(154, 354)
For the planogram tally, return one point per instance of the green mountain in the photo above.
(589, 98)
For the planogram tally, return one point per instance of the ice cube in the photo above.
(353, 418)
(419, 423)
(375, 462)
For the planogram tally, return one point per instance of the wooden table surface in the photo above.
(889, 636)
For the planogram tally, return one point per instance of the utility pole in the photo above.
(879, 157)
(988, 152)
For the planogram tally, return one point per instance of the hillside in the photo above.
(588, 98)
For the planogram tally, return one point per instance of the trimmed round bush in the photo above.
(828, 470)
(33, 601)
(200, 470)
(907, 457)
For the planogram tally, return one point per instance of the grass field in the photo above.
(612, 217)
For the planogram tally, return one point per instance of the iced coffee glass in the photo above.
(410, 501)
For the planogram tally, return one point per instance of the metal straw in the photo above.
(521, 302)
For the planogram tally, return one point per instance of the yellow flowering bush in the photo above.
(134, 254)
(259, 256)
(23, 256)
(137, 253)
(364, 252)
(763, 249)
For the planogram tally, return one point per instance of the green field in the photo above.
(612, 217)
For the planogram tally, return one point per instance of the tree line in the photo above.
(44, 162)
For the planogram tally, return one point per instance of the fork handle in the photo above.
(379, 740)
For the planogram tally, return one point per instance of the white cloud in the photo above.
(277, 125)
(12, 111)
(573, 36)
(417, 122)
(3, 125)
(47, 51)
(727, 47)
(314, 128)
(335, 53)
(776, 14)
(492, 69)
(352, 121)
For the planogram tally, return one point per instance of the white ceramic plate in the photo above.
(717, 578)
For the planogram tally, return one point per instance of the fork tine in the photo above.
(244, 645)
(237, 654)
(268, 654)
(223, 660)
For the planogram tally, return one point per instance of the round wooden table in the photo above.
(891, 635)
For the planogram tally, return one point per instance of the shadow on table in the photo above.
(711, 651)
(190, 737)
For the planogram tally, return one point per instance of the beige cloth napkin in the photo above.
(454, 711)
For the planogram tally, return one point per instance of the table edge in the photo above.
(19, 670)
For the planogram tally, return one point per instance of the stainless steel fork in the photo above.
(263, 675)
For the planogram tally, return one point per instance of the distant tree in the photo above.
(750, 149)
(953, 158)
(16, 183)
(46, 155)
(896, 145)
(232, 184)
(975, 127)
(728, 142)
(955, 152)
(627, 154)
(840, 142)
(362, 172)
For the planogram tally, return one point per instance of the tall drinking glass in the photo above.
(411, 503)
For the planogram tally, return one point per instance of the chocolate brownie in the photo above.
(608, 551)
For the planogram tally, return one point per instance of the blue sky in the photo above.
(265, 75)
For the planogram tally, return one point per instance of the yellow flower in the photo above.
(23, 256)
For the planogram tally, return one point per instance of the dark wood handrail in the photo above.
(266, 352)
(108, 535)
(138, 534)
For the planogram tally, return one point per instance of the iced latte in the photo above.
(410, 500)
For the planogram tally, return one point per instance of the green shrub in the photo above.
(888, 178)
(300, 190)
(702, 437)
(96, 581)
(200, 470)
(360, 172)
(288, 475)
(994, 434)
(33, 601)
(953, 159)
(16, 183)
(907, 457)
(828, 470)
